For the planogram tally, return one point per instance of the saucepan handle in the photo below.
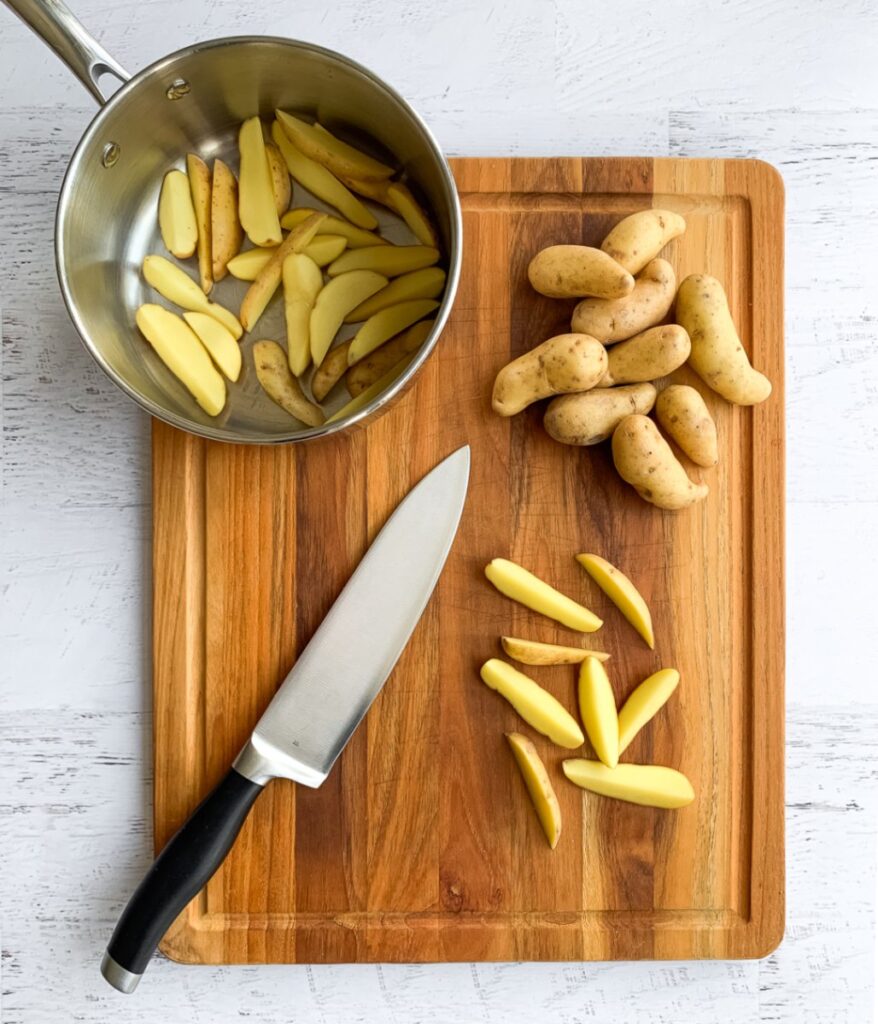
(59, 29)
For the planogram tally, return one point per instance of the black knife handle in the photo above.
(182, 868)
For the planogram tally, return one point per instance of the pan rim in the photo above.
(455, 254)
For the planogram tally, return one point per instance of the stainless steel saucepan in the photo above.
(194, 101)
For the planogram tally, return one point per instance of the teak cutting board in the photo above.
(422, 845)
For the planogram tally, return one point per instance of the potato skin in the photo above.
(572, 271)
(685, 418)
(644, 459)
(590, 418)
(656, 352)
(567, 362)
(718, 357)
(612, 320)
(637, 239)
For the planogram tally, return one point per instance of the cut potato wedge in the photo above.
(622, 592)
(364, 374)
(535, 705)
(281, 187)
(219, 342)
(419, 284)
(373, 391)
(539, 785)
(522, 586)
(264, 286)
(644, 702)
(415, 216)
(330, 371)
(322, 183)
(386, 324)
(326, 248)
(201, 187)
(327, 149)
(281, 386)
(246, 265)
(333, 304)
(178, 287)
(532, 652)
(355, 237)
(179, 349)
(177, 221)
(649, 784)
(389, 260)
(256, 203)
(597, 709)
(226, 233)
(302, 282)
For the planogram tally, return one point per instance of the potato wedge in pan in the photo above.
(273, 372)
(375, 365)
(330, 151)
(177, 223)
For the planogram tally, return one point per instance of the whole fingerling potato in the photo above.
(567, 362)
(572, 271)
(590, 418)
(637, 239)
(718, 357)
(656, 352)
(685, 418)
(612, 320)
(644, 459)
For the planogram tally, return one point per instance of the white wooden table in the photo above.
(792, 81)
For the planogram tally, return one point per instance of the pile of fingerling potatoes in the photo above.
(610, 732)
(604, 372)
(333, 271)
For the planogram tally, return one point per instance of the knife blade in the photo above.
(314, 712)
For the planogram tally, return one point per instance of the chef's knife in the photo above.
(315, 711)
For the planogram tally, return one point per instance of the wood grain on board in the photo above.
(422, 844)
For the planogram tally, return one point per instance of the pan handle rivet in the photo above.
(112, 152)
(177, 89)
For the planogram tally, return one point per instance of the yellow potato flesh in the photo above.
(355, 237)
(179, 349)
(651, 785)
(405, 204)
(264, 286)
(389, 260)
(327, 149)
(522, 586)
(200, 184)
(219, 342)
(622, 592)
(384, 325)
(177, 216)
(335, 301)
(326, 248)
(597, 709)
(280, 178)
(535, 705)
(256, 202)
(330, 371)
(644, 702)
(373, 391)
(302, 282)
(419, 284)
(322, 183)
(364, 373)
(532, 652)
(178, 287)
(246, 265)
(539, 785)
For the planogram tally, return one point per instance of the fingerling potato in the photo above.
(539, 786)
(333, 304)
(591, 417)
(643, 458)
(532, 652)
(177, 222)
(200, 184)
(655, 353)
(329, 150)
(278, 382)
(381, 327)
(226, 234)
(363, 374)
(639, 238)
(572, 271)
(612, 320)
(567, 362)
(257, 207)
(330, 371)
(685, 418)
(281, 187)
(389, 260)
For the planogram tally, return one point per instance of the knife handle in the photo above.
(182, 868)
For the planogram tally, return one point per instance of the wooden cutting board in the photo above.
(422, 845)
